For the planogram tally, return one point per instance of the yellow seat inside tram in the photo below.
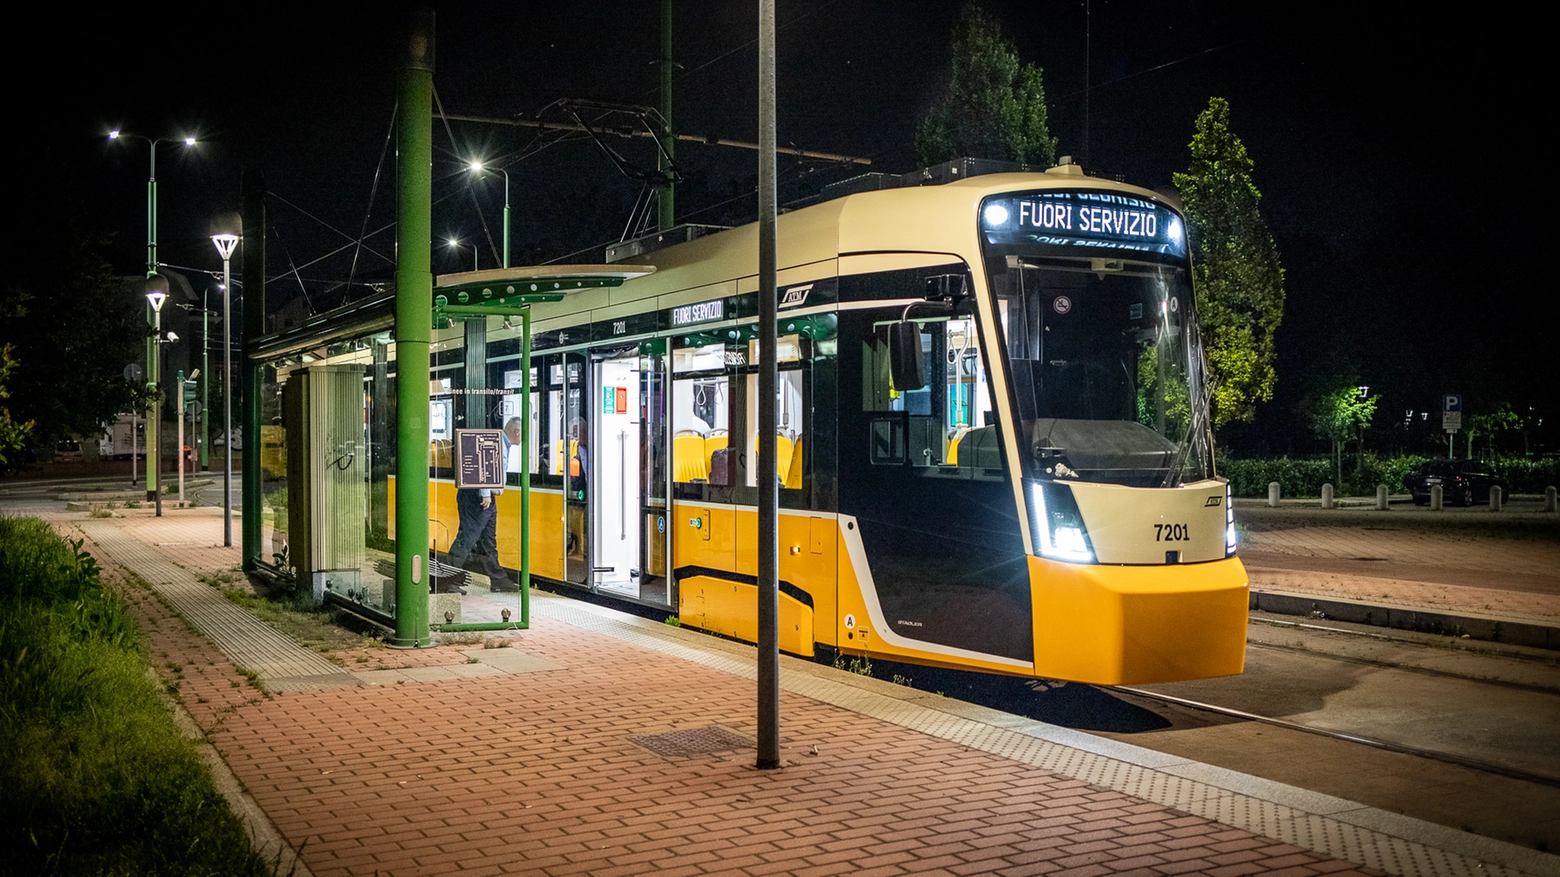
(712, 443)
(953, 445)
(792, 480)
(440, 453)
(689, 460)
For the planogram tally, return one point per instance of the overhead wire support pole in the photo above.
(768, 482)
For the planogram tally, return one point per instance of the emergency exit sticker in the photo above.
(608, 400)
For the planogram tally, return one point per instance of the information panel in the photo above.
(479, 458)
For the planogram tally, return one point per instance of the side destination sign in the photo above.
(702, 312)
(1083, 219)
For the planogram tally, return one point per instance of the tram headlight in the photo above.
(1058, 526)
(996, 214)
(1229, 521)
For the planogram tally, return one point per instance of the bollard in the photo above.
(1381, 497)
(1549, 498)
(1495, 497)
(1273, 494)
(1436, 493)
(1327, 496)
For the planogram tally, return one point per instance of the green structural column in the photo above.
(413, 332)
(526, 442)
(667, 212)
(254, 326)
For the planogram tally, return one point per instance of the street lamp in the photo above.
(154, 422)
(477, 167)
(156, 294)
(227, 230)
(455, 244)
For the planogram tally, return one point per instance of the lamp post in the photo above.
(455, 244)
(156, 294)
(154, 421)
(476, 168)
(227, 230)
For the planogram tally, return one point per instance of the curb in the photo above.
(1500, 630)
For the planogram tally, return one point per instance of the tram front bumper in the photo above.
(1133, 625)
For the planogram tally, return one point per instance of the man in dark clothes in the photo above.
(478, 509)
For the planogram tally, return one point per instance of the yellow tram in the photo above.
(994, 447)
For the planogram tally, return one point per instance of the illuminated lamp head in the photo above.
(996, 214)
(1174, 230)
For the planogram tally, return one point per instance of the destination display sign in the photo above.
(1104, 220)
(700, 312)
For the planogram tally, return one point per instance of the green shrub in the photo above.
(95, 777)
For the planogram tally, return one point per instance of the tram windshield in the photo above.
(1106, 366)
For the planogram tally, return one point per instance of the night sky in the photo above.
(1398, 156)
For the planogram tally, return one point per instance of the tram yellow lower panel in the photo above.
(546, 525)
(1133, 625)
(731, 608)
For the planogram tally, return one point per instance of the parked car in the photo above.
(1462, 482)
(68, 452)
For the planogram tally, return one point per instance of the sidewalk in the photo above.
(1472, 568)
(599, 743)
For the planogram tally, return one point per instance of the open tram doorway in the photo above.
(627, 475)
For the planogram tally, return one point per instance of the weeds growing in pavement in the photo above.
(95, 777)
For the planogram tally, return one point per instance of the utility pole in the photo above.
(668, 141)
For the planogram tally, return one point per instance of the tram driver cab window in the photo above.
(948, 421)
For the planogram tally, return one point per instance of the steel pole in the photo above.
(154, 450)
(506, 218)
(413, 333)
(768, 482)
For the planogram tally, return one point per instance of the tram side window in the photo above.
(948, 421)
(701, 416)
(790, 414)
(510, 409)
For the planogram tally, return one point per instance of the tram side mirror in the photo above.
(904, 356)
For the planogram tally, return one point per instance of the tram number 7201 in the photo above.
(1171, 533)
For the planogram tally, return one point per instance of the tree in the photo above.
(993, 106)
(1341, 416)
(1235, 267)
(13, 434)
(71, 327)
(1487, 424)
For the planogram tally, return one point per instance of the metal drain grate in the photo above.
(707, 740)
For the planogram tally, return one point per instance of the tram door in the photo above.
(628, 484)
(614, 481)
(571, 453)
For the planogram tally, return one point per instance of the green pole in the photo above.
(205, 383)
(254, 327)
(668, 141)
(153, 361)
(526, 443)
(413, 334)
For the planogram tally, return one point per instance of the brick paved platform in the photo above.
(521, 760)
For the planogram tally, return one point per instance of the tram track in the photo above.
(1385, 745)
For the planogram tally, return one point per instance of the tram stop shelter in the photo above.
(333, 495)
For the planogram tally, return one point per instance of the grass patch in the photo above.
(318, 628)
(95, 777)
